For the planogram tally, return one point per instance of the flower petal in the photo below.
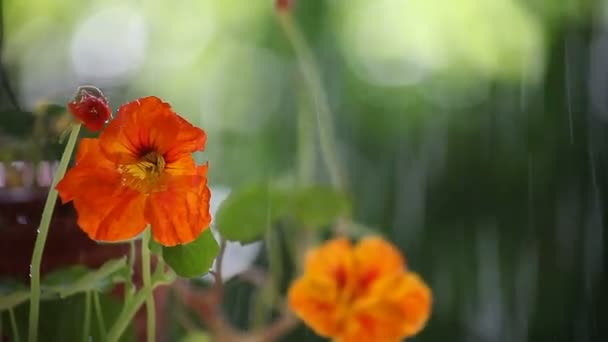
(416, 300)
(374, 257)
(189, 139)
(107, 211)
(89, 161)
(139, 126)
(149, 123)
(180, 212)
(311, 299)
(398, 306)
(332, 260)
(113, 216)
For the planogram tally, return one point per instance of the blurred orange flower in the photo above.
(90, 107)
(141, 171)
(360, 293)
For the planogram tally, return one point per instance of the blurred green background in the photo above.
(472, 132)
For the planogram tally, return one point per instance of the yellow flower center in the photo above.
(144, 174)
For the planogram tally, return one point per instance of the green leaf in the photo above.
(155, 247)
(75, 279)
(247, 213)
(63, 319)
(197, 336)
(318, 207)
(13, 299)
(195, 258)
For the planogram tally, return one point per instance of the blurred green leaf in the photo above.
(75, 279)
(13, 293)
(63, 319)
(317, 207)
(193, 259)
(197, 336)
(246, 214)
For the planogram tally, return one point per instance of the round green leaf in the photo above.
(195, 258)
(246, 214)
(318, 207)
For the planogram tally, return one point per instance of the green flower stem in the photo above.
(306, 141)
(43, 232)
(132, 306)
(14, 327)
(86, 330)
(145, 265)
(129, 286)
(310, 72)
(127, 314)
(101, 325)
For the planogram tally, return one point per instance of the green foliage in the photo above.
(64, 283)
(75, 279)
(197, 336)
(192, 259)
(155, 247)
(317, 207)
(246, 214)
(12, 293)
(63, 319)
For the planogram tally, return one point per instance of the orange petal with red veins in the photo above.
(416, 302)
(147, 123)
(179, 214)
(397, 306)
(112, 216)
(189, 139)
(316, 296)
(90, 164)
(314, 301)
(374, 257)
(107, 211)
(333, 260)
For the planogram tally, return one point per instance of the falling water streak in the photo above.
(523, 94)
(485, 317)
(567, 88)
(531, 194)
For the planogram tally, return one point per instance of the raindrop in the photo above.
(21, 219)
(30, 271)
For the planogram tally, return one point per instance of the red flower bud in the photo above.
(284, 5)
(90, 107)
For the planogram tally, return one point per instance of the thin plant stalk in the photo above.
(145, 265)
(129, 286)
(43, 232)
(14, 327)
(312, 78)
(86, 329)
(128, 312)
(101, 325)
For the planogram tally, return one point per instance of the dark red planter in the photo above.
(22, 200)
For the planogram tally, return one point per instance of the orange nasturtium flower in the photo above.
(360, 293)
(141, 171)
(90, 107)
